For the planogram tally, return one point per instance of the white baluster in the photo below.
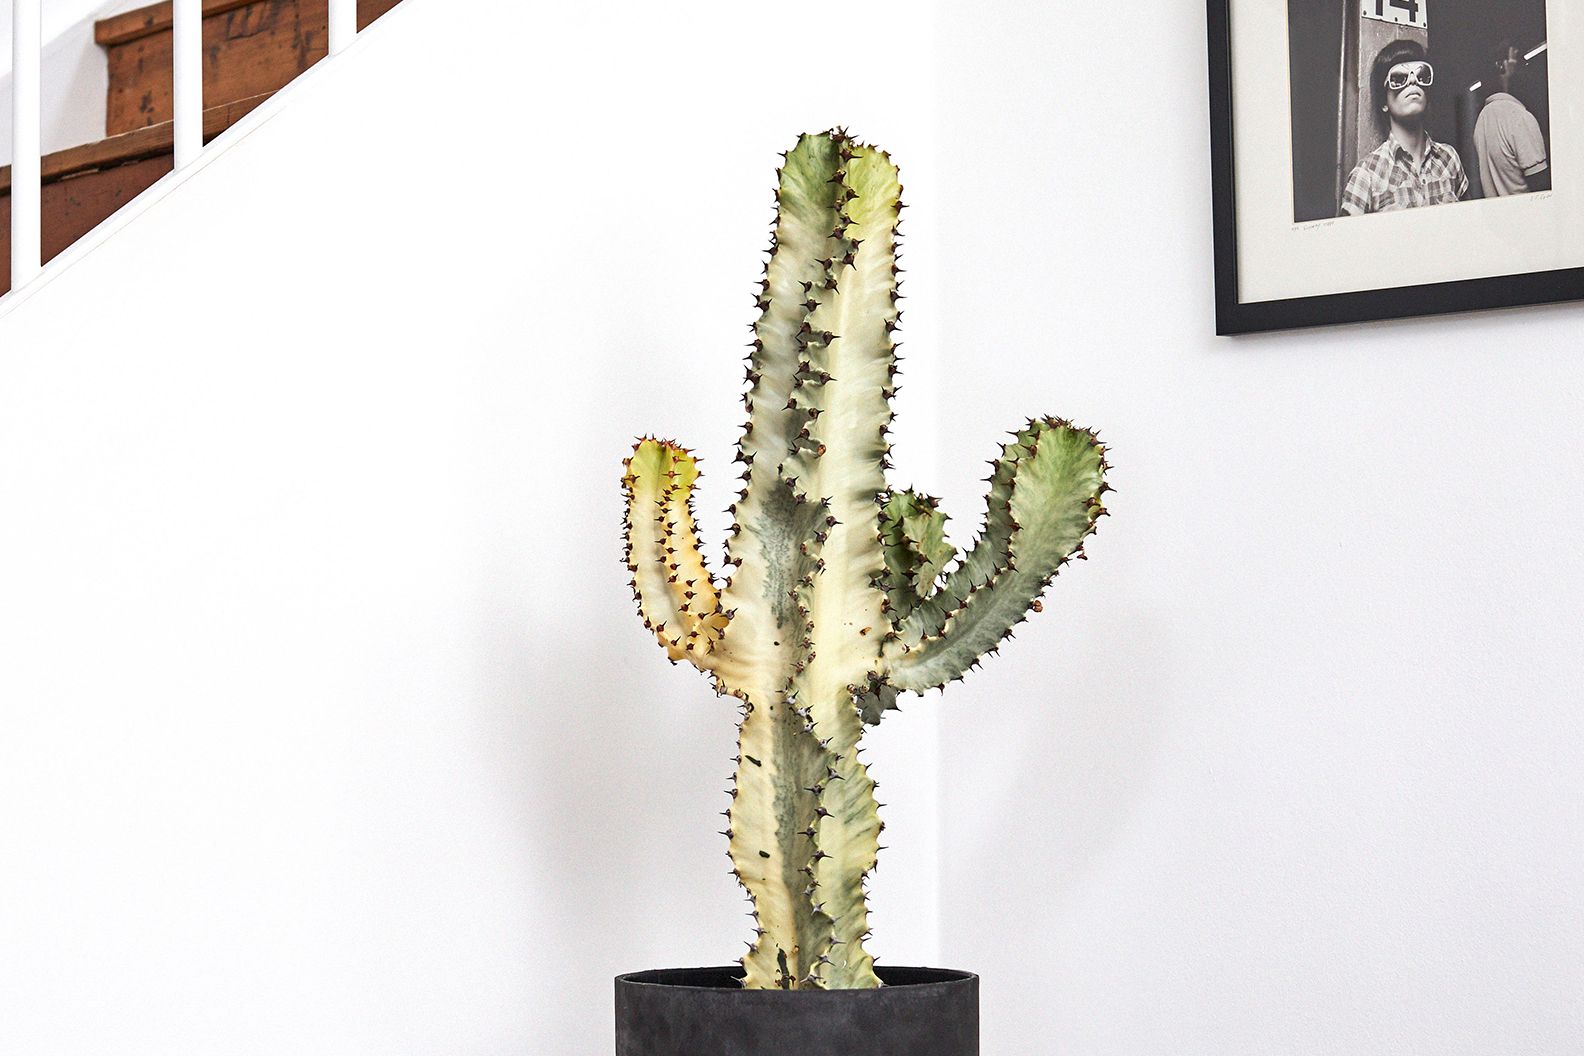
(343, 25)
(187, 78)
(26, 42)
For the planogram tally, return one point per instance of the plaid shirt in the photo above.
(1385, 179)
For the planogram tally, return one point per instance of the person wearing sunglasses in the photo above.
(1409, 169)
(1507, 138)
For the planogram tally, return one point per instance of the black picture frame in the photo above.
(1237, 317)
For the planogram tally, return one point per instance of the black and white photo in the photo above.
(1417, 114)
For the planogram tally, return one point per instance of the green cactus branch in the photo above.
(1045, 495)
(837, 597)
(913, 532)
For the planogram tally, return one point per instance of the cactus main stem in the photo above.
(843, 460)
(776, 544)
(773, 816)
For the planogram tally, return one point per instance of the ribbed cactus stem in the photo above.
(839, 456)
(778, 549)
(837, 597)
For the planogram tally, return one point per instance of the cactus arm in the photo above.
(913, 533)
(913, 536)
(1045, 499)
(676, 594)
(689, 575)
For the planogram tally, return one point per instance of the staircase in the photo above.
(251, 49)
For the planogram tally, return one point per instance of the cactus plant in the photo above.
(842, 592)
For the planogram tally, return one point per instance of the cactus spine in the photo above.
(839, 595)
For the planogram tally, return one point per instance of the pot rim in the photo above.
(902, 976)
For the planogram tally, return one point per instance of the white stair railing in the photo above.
(187, 102)
(187, 79)
(343, 24)
(26, 159)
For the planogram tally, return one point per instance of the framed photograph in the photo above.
(1374, 159)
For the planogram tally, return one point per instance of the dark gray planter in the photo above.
(705, 1012)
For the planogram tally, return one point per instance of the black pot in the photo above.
(705, 1012)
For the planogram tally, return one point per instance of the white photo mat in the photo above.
(1279, 259)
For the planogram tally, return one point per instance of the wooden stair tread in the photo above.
(133, 146)
(130, 25)
(156, 18)
(249, 47)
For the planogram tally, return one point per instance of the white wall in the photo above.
(57, 17)
(1293, 764)
(73, 74)
(327, 724)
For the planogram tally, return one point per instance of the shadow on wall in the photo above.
(620, 761)
(1073, 766)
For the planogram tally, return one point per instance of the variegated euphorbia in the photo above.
(842, 592)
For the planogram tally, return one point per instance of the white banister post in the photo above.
(343, 25)
(26, 192)
(187, 78)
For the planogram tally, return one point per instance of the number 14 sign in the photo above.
(1402, 12)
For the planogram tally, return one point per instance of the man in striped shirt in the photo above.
(1410, 169)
